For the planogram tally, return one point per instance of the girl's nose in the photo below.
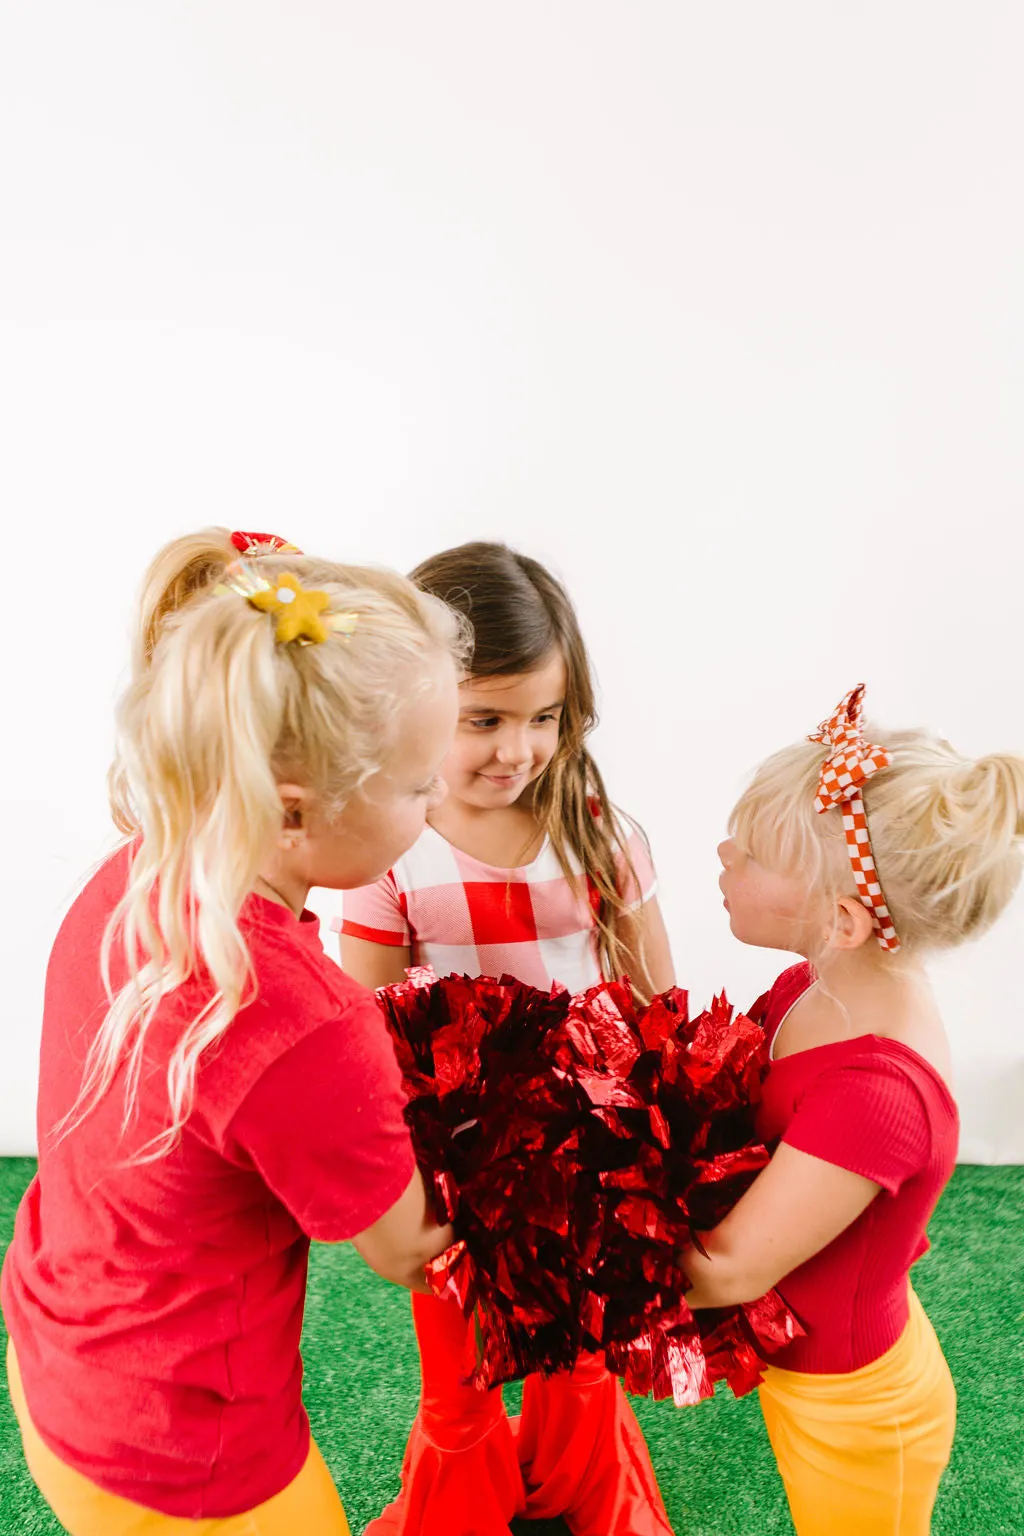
(726, 850)
(512, 749)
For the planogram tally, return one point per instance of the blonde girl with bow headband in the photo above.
(861, 857)
(214, 1092)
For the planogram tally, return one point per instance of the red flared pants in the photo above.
(577, 1451)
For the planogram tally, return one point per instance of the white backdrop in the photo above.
(715, 308)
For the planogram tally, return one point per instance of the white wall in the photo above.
(716, 308)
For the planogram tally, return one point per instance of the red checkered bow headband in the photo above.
(850, 762)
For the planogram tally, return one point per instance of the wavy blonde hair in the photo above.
(946, 832)
(216, 715)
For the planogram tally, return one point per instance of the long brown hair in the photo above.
(519, 615)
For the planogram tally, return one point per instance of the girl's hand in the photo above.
(794, 1208)
(401, 1244)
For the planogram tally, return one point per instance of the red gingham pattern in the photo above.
(851, 761)
(461, 916)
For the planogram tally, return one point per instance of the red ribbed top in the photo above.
(876, 1107)
(156, 1307)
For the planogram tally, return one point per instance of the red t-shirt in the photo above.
(156, 1308)
(877, 1108)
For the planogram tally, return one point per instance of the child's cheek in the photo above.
(463, 758)
(548, 749)
(474, 755)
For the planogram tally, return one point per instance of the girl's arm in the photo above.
(405, 1239)
(648, 958)
(375, 965)
(794, 1208)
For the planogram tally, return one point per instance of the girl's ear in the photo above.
(294, 803)
(852, 924)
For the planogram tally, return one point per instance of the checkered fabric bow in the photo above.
(850, 762)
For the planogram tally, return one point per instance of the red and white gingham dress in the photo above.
(464, 917)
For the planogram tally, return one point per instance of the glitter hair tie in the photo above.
(300, 611)
(250, 544)
(849, 763)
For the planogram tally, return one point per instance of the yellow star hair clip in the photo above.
(298, 610)
(241, 579)
(342, 623)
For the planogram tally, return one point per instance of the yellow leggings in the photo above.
(861, 1454)
(310, 1503)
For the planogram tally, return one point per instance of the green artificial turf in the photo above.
(713, 1461)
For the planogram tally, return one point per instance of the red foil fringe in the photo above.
(579, 1144)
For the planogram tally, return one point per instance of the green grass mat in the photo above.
(713, 1461)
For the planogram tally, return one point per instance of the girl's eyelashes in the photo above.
(429, 789)
(488, 722)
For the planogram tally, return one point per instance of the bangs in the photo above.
(775, 820)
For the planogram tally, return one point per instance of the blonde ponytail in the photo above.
(183, 568)
(217, 714)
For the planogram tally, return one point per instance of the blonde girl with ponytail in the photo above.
(214, 1092)
(863, 856)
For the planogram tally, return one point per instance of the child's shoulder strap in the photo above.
(772, 1006)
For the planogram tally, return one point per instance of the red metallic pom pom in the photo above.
(579, 1144)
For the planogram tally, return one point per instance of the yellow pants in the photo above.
(309, 1505)
(861, 1454)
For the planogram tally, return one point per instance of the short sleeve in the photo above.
(638, 880)
(375, 912)
(324, 1126)
(867, 1117)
